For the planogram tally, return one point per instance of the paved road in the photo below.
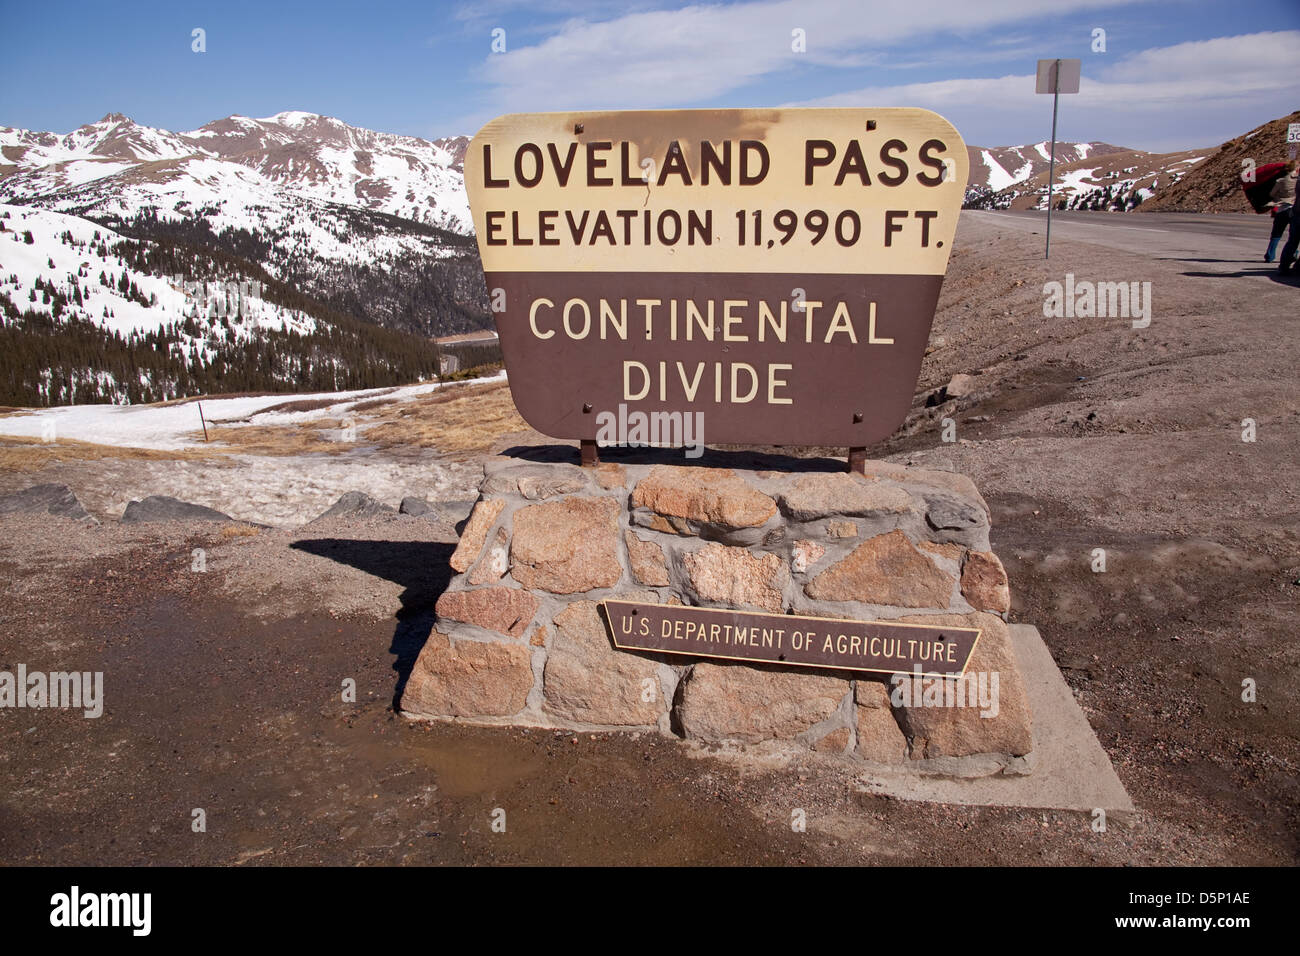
(1217, 243)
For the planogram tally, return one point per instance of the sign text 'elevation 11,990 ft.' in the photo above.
(775, 270)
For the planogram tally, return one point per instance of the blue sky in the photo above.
(1174, 74)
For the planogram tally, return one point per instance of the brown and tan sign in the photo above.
(878, 646)
(775, 270)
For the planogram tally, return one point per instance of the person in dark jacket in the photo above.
(1283, 194)
(1287, 192)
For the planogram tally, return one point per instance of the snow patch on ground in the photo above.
(280, 491)
(1077, 180)
(176, 426)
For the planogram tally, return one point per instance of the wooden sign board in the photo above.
(884, 647)
(775, 270)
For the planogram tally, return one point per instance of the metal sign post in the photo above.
(1051, 162)
(1056, 77)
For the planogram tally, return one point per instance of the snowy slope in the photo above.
(361, 239)
(271, 162)
(66, 249)
(112, 138)
(325, 159)
(996, 168)
(372, 225)
(227, 196)
(1118, 180)
(89, 315)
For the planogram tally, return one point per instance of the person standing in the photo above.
(1283, 194)
(1286, 260)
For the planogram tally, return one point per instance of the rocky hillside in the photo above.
(1215, 185)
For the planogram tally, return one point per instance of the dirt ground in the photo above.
(224, 687)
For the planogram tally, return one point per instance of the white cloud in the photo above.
(1191, 94)
(1180, 96)
(693, 54)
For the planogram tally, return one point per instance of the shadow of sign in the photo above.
(422, 568)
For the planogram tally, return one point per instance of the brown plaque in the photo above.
(884, 647)
(774, 271)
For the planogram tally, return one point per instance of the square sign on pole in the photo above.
(1055, 77)
(1067, 81)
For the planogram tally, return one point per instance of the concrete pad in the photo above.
(1070, 769)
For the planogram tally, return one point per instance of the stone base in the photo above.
(1071, 770)
(519, 639)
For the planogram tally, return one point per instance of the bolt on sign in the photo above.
(885, 647)
(776, 270)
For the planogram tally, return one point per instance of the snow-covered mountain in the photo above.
(237, 163)
(1116, 180)
(370, 224)
(67, 252)
(88, 315)
(995, 168)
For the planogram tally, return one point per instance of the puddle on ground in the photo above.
(460, 766)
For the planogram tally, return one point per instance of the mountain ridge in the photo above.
(323, 158)
(318, 157)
